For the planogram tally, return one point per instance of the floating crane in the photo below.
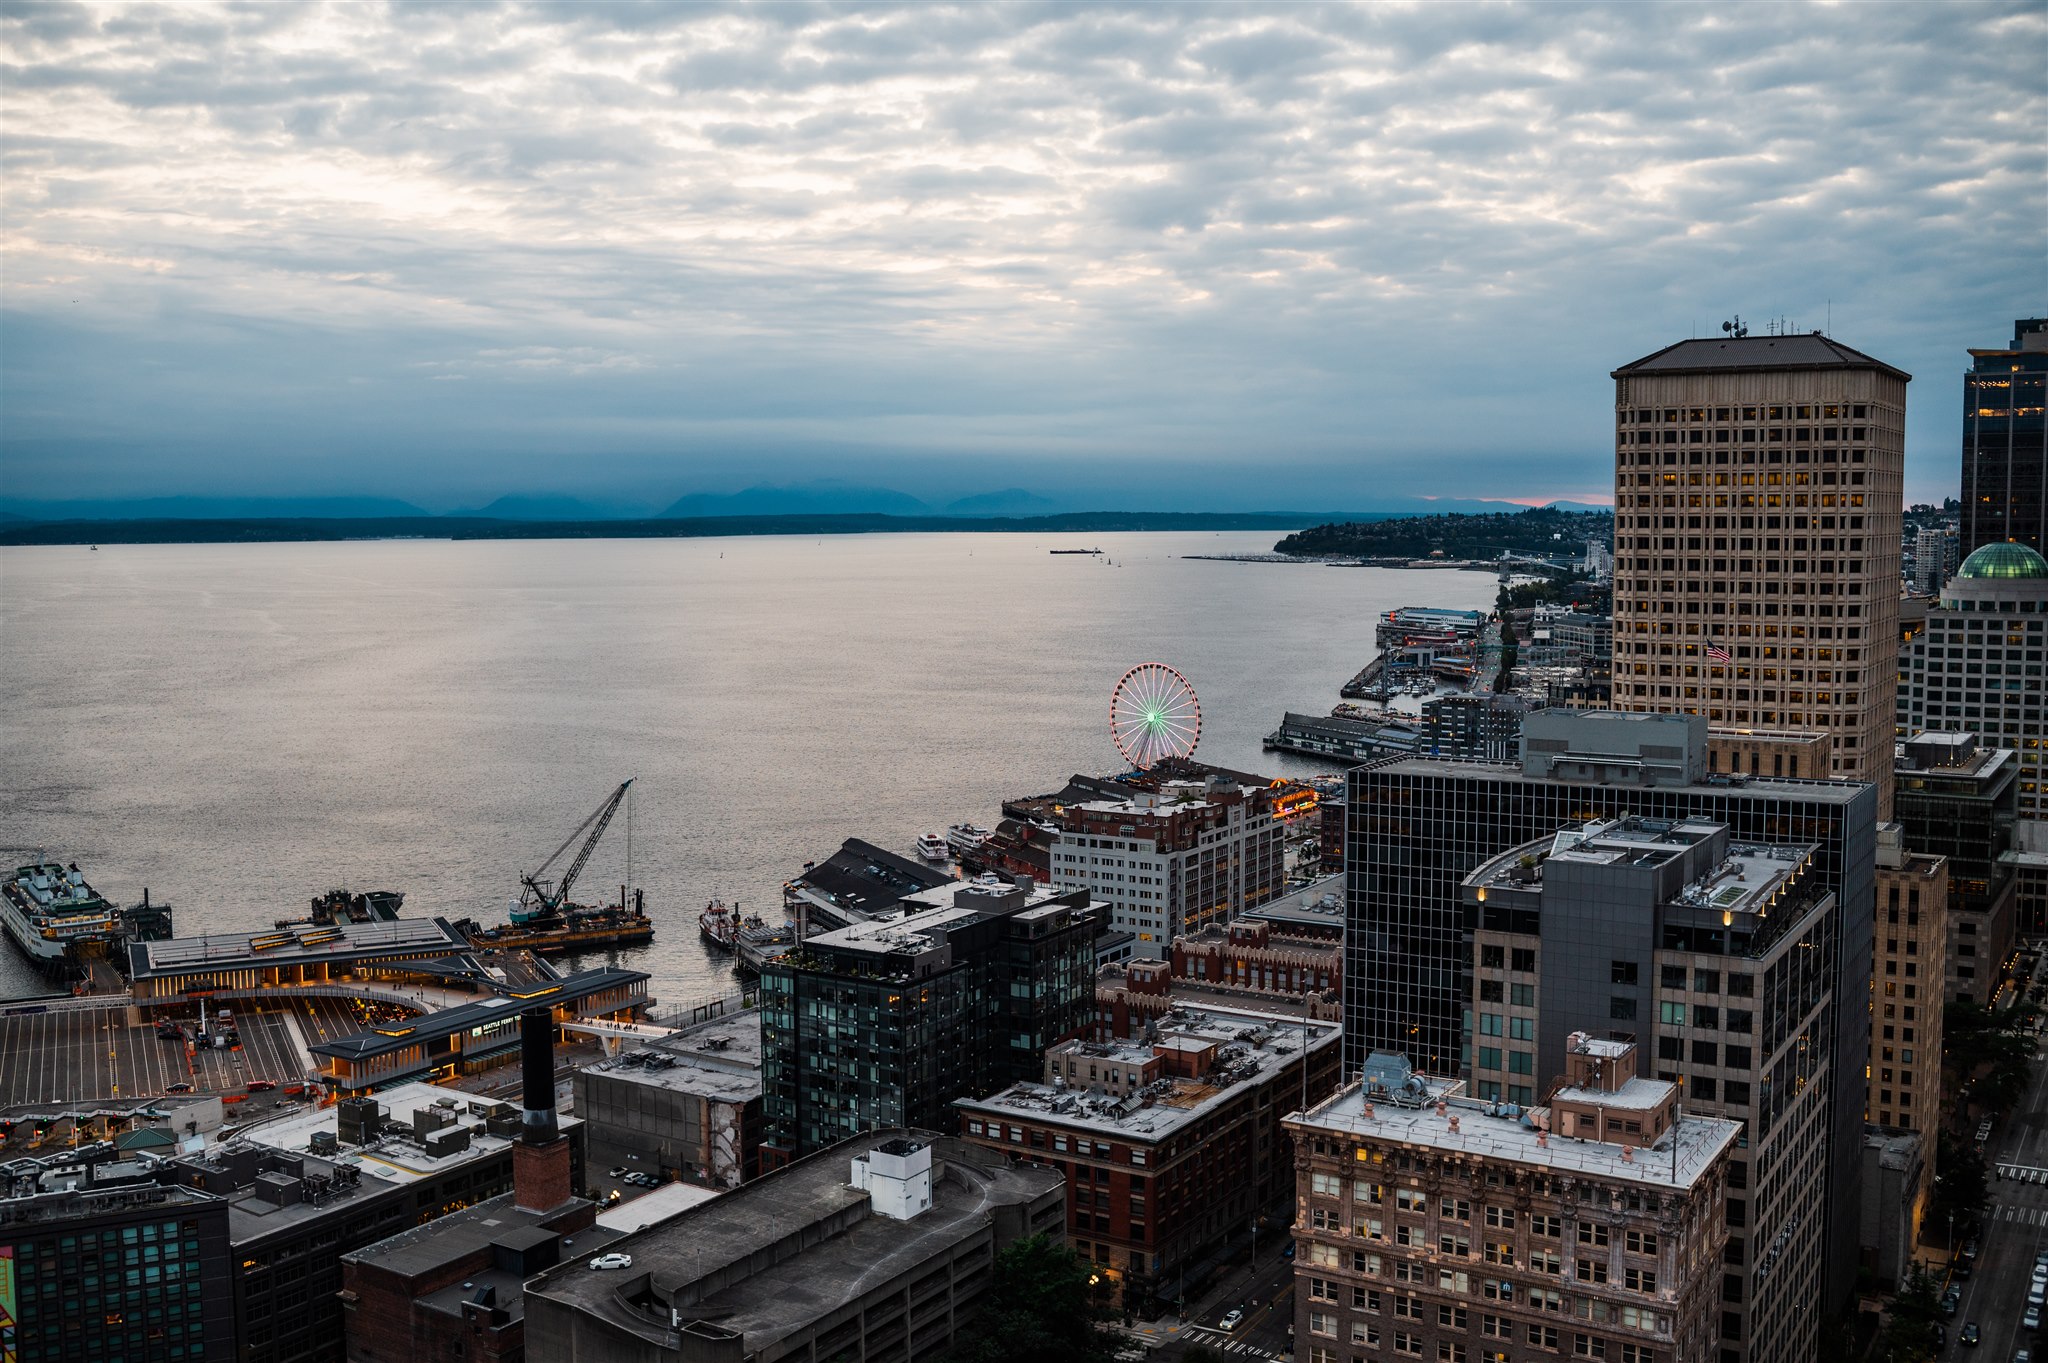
(542, 900)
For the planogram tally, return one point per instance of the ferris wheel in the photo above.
(1153, 715)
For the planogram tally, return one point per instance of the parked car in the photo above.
(2032, 1320)
(620, 1172)
(1231, 1319)
(1951, 1301)
(612, 1261)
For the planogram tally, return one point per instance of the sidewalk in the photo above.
(1235, 1287)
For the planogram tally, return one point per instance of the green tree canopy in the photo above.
(1041, 1305)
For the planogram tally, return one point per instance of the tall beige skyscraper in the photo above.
(1758, 495)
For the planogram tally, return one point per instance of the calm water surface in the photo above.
(240, 727)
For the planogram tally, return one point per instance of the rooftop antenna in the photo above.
(1734, 330)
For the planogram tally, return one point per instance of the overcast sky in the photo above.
(1203, 256)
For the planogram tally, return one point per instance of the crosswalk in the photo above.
(1227, 1344)
(2023, 1216)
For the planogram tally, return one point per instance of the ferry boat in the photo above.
(55, 917)
(932, 847)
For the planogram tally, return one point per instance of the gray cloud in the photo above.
(1296, 254)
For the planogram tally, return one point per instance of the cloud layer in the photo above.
(1208, 255)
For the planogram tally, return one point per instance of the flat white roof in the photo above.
(1677, 1161)
(1252, 1048)
(654, 1207)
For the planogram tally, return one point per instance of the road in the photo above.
(2015, 1231)
(1265, 1291)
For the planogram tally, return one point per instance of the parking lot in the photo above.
(96, 1055)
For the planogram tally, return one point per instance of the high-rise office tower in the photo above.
(1958, 799)
(1706, 953)
(1758, 513)
(2005, 472)
(1418, 827)
(1976, 667)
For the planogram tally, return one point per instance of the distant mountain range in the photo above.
(806, 499)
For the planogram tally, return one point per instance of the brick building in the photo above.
(1176, 858)
(1257, 956)
(1170, 1145)
(1431, 1225)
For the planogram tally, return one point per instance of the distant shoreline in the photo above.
(272, 530)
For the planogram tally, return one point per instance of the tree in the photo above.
(1041, 1304)
(1988, 1051)
(1962, 1188)
(1909, 1335)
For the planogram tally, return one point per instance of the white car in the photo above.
(612, 1261)
(1231, 1319)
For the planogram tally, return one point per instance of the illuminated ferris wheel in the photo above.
(1153, 715)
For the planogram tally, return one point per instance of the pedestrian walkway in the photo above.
(1227, 1344)
(2024, 1216)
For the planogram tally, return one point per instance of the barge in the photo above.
(576, 927)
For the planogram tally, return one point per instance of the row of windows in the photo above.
(1754, 435)
(1665, 416)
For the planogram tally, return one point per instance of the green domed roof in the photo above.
(2005, 560)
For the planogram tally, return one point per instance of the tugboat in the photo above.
(718, 926)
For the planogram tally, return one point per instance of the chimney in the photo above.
(540, 1159)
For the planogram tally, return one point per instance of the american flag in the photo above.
(1718, 653)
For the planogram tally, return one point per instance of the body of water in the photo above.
(242, 727)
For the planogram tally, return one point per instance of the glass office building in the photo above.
(2005, 470)
(116, 1275)
(884, 1023)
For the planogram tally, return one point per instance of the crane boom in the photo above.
(542, 898)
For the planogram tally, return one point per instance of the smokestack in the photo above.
(540, 1161)
(537, 1073)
